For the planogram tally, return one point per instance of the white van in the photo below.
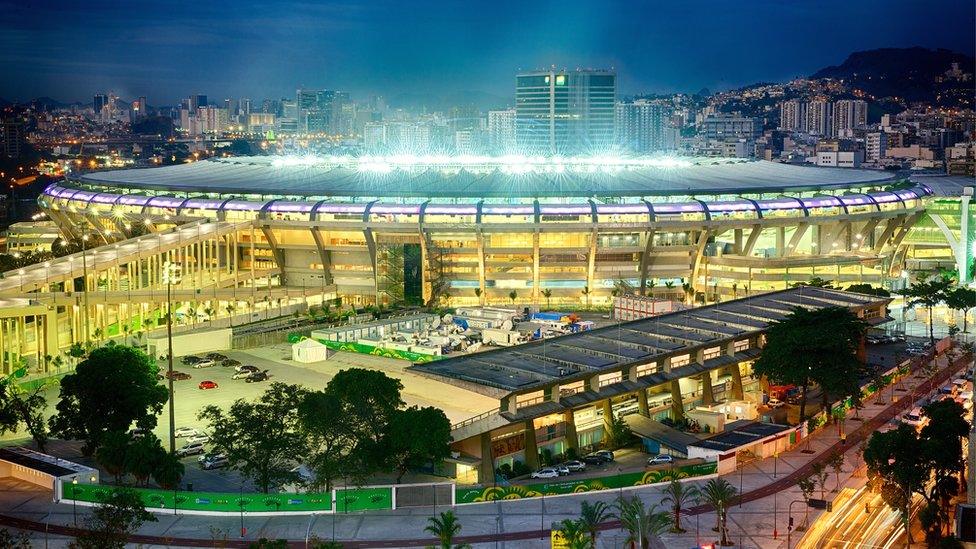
(913, 417)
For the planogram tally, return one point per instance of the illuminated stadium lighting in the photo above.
(509, 164)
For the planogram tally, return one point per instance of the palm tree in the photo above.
(586, 295)
(575, 535)
(719, 493)
(735, 288)
(641, 523)
(928, 294)
(689, 291)
(513, 295)
(678, 496)
(591, 515)
(444, 527)
(477, 293)
(961, 299)
(230, 308)
(547, 293)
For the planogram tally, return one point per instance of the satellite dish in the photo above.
(507, 325)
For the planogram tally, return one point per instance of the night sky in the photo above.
(70, 50)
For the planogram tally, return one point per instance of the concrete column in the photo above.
(737, 392)
(607, 415)
(642, 406)
(531, 448)
(572, 439)
(677, 404)
(486, 472)
(738, 241)
(708, 397)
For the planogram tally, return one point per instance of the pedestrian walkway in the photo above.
(768, 487)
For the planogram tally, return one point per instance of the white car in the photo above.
(913, 417)
(213, 461)
(775, 403)
(545, 472)
(198, 437)
(191, 449)
(660, 459)
(185, 432)
(204, 364)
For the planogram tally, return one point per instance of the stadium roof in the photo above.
(477, 177)
(571, 357)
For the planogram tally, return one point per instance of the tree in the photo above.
(9, 541)
(112, 454)
(719, 493)
(547, 293)
(868, 289)
(640, 523)
(806, 485)
(814, 346)
(329, 439)
(820, 474)
(113, 521)
(25, 407)
(836, 462)
(575, 535)
(415, 437)
(591, 515)
(168, 470)
(260, 439)
(816, 282)
(928, 293)
(142, 456)
(961, 299)
(678, 496)
(619, 433)
(477, 293)
(513, 295)
(586, 295)
(110, 390)
(445, 528)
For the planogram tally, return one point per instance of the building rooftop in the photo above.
(574, 356)
(741, 434)
(482, 177)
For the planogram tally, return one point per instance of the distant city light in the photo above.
(511, 164)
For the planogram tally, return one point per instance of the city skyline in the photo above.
(72, 51)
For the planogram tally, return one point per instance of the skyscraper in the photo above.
(820, 118)
(501, 131)
(642, 126)
(99, 101)
(793, 116)
(565, 112)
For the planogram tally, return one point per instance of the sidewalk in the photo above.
(768, 485)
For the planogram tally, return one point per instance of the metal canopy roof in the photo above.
(573, 356)
(265, 175)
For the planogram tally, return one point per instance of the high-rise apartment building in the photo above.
(98, 102)
(849, 115)
(642, 126)
(501, 131)
(793, 116)
(565, 112)
(721, 127)
(875, 146)
(820, 118)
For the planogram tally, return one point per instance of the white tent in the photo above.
(309, 350)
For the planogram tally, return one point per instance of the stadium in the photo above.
(519, 230)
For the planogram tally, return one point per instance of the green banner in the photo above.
(349, 346)
(576, 486)
(227, 502)
(349, 500)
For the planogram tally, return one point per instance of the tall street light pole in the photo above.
(169, 274)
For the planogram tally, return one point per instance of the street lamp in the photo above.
(171, 275)
(74, 500)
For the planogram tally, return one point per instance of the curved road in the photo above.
(855, 437)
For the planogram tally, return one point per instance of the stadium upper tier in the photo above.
(406, 178)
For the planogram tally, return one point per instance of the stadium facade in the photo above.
(519, 230)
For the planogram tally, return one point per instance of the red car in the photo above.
(208, 385)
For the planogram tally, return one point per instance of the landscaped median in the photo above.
(367, 498)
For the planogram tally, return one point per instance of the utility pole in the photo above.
(168, 276)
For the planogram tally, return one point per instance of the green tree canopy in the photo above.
(114, 387)
(961, 299)
(23, 408)
(416, 437)
(816, 346)
(112, 521)
(261, 439)
(928, 294)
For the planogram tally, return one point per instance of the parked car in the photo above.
(246, 368)
(575, 466)
(545, 472)
(198, 437)
(191, 449)
(593, 459)
(913, 417)
(561, 469)
(138, 432)
(241, 375)
(256, 377)
(185, 432)
(660, 459)
(204, 364)
(178, 375)
(213, 461)
(190, 360)
(960, 384)
(228, 362)
(207, 384)
(216, 357)
(607, 455)
(775, 403)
